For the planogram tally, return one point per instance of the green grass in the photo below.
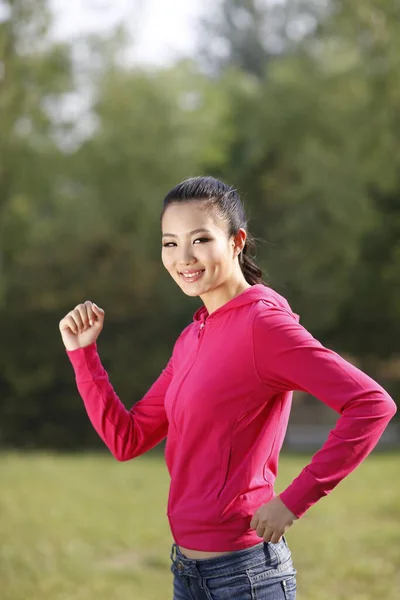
(86, 527)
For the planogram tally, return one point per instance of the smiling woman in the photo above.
(223, 402)
(217, 261)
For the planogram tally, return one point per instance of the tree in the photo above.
(249, 34)
(32, 75)
(369, 35)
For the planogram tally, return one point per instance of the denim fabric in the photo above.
(262, 572)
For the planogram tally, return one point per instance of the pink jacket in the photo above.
(223, 402)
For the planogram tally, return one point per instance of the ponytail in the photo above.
(251, 271)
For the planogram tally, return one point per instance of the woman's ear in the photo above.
(239, 241)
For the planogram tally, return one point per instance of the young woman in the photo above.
(223, 402)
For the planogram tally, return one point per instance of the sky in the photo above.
(161, 29)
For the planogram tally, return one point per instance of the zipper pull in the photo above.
(200, 328)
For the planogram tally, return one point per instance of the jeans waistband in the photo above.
(263, 553)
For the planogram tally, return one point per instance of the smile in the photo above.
(191, 277)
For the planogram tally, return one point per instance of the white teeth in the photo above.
(191, 274)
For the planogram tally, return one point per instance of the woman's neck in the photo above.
(219, 296)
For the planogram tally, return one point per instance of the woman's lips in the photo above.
(192, 278)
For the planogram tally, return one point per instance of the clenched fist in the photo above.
(82, 326)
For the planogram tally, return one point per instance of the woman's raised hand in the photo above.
(82, 325)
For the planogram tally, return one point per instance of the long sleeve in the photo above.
(287, 357)
(127, 433)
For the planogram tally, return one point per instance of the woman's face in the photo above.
(196, 250)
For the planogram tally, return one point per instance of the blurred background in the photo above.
(104, 106)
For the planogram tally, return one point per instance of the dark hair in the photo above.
(226, 201)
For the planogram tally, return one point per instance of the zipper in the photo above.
(201, 329)
(187, 373)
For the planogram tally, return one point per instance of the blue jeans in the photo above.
(262, 572)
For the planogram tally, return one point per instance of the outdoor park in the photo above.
(80, 527)
(294, 103)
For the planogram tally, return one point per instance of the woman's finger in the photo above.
(260, 530)
(276, 537)
(90, 312)
(268, 535)
(98, 311)
(77, 316)
(254, 522)
(69, 321)
(82, 308)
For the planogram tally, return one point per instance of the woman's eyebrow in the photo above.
(191, 233)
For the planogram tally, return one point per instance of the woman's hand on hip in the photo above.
(272, 519)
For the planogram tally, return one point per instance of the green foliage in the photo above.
(305, 124)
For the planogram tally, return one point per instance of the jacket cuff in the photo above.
(302, 493)
(86, 362)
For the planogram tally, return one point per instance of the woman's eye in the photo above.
(171, 244)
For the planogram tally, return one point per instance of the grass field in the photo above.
(85, 527)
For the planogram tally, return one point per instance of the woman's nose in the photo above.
(186, 257)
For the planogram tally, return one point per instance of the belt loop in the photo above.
(172, 552)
